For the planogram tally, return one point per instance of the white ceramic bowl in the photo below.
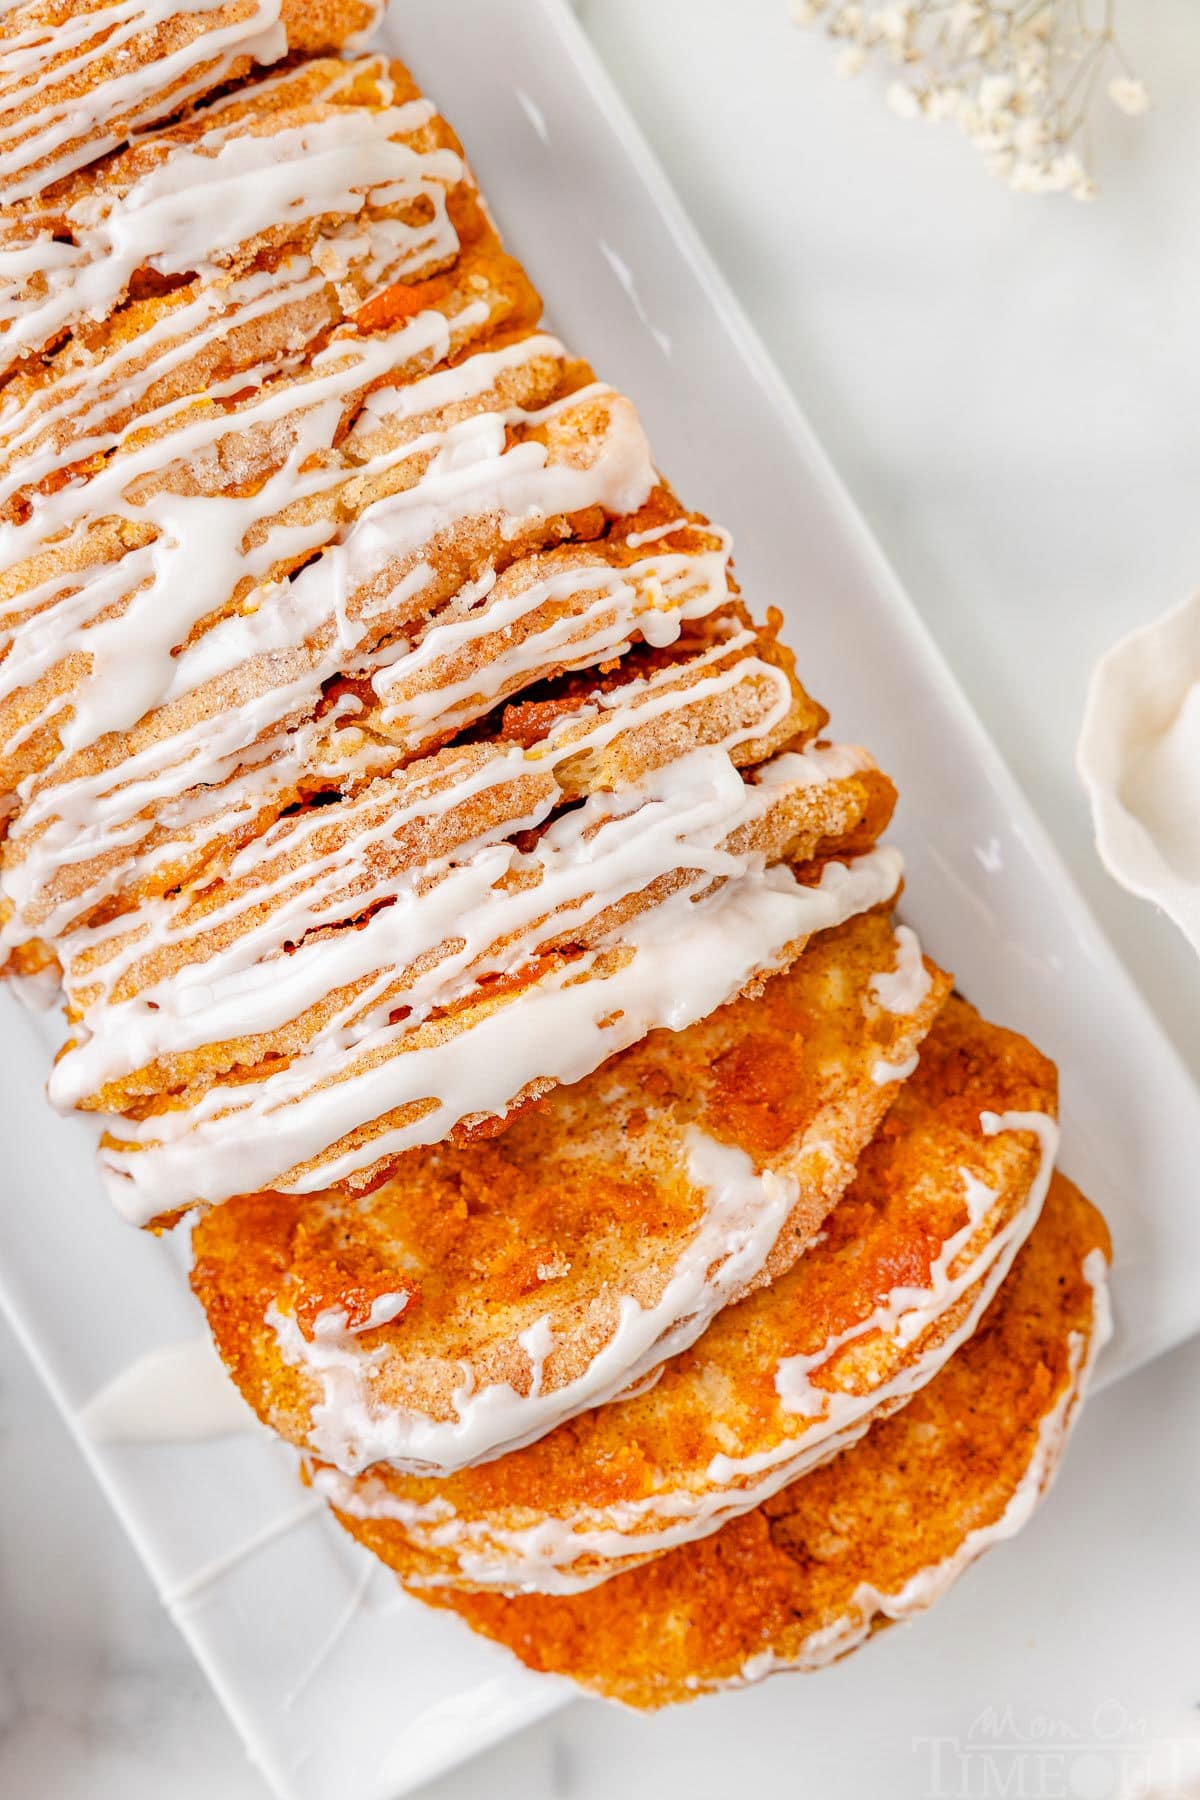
(1139, 756)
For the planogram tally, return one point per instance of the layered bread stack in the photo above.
(462, 915)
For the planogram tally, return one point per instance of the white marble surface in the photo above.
(1011, 389)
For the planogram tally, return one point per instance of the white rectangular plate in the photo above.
(339, 1684)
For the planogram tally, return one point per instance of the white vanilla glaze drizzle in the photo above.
(79, 127)
(813, 766)
(903, 988)
(928, 1585)
(204, 200)
(743, 1212)
(884, 1071)
(654, 596)
(557, 1554)
(89, 816)
(53, 427)
(200, 558)
(655, 532)
(178, 1393)
(681, 960)
(614, 845)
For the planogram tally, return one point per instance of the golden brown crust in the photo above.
(413, 822)
(813, 1571)
(179, 59)
(582, 1201)
(389, 454)
(347, 753)
(245, 461)
(97, 355)
(626, 1473)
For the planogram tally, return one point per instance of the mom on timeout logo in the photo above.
(1110, 1756)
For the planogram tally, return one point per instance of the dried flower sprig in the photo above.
(1017, 76)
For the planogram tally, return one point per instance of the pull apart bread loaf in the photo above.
(531, 1276)
(461, 910)
(876, 1535)
(365, 684)
(941, 1202)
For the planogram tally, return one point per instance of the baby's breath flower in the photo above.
(1030, 136)
(964, 16)
(904, 100)
(1014, 75)
(944, 103)
(1068, 171)
(894, 21)
(995, 92)
(1129, 95)
(1027, 177)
